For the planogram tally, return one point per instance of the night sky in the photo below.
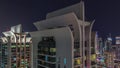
(26, 12)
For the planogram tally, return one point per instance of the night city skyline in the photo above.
(59, 34)
(26, 13)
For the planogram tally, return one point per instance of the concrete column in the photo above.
(9, 54)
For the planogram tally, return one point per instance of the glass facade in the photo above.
(77, 56)
(3, 55)
(47, 53)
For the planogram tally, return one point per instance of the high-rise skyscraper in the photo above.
(62, 39)
(3, 53)
(117, 40)
(18, 48)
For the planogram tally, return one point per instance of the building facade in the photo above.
(117, 40)
(116, 55)
(3, 53)
(61, 38)
(18, 48)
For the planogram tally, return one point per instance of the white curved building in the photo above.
(72, 34)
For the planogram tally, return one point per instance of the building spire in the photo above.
(82, 11)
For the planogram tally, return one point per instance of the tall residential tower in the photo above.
(18, 48)
(61, 39)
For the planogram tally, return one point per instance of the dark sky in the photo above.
(25, 12)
